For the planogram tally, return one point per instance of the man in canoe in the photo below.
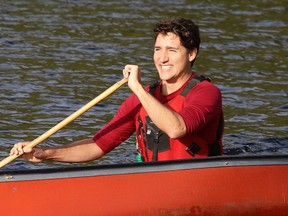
(178, 117)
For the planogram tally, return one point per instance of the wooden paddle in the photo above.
(66, 121)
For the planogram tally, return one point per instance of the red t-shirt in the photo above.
(201, 113)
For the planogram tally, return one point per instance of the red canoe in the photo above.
(212, 186)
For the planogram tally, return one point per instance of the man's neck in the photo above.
(168, 87)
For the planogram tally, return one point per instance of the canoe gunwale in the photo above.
(148, 167)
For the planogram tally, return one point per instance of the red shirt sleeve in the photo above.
(121, 127)
(202, 110)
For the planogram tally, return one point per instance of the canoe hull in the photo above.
(259, 189)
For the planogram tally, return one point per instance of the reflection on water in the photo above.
(58, 55)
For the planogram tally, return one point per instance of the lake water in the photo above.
(57, 55)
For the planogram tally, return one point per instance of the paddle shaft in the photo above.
(66, 121)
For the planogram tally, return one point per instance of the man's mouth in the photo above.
(166, 67)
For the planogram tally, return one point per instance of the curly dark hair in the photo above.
(186, 29)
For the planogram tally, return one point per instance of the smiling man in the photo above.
(178, 117)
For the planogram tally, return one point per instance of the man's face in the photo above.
(171, 59)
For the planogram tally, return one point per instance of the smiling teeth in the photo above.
(166, 67)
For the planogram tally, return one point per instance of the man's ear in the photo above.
(192, 55)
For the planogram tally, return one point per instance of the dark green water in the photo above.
(55, 56)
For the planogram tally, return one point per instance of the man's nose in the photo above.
(164, 57)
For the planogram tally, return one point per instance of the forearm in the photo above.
(81, 151)
(166, 119)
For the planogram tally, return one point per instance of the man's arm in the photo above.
(80, 151)
(166, 119)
